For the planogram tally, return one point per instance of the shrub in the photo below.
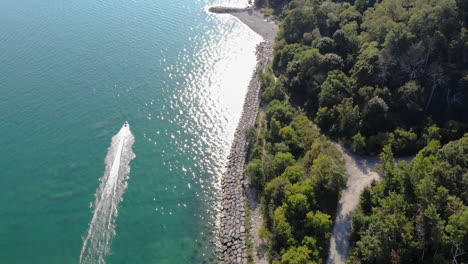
(282, 161)
(359, 143)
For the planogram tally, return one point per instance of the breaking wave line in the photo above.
(97, 244)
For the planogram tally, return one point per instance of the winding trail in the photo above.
(360, 170)
(360, 175)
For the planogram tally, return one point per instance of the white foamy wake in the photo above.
(97, 244)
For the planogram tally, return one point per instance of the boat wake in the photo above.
(97, 244)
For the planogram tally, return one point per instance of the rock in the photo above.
(232, 217)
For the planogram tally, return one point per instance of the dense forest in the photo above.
(375, 73)
(299, 175)
(418, 213)
(386, 76)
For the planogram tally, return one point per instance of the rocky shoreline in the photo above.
(233, 234)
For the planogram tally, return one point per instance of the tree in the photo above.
(276, 91)
(359, 143)
(404, 142)
(324, 45)
(275, 127)
(281, 111)
(411, 96)
(398, 39)
(332, 61)
(350, 14)
(282, 161)
(275, 190)
(362, 5)
(329, 176)
(254, 171)
(310, 71)
(305, 129)
(326, 119)
(457, 228)
(297, 255)
(348, 118)
(289, 137)
(374, 115)
(293, 173)
(282, 229)
(346, 41)
(319, 224)
(295, 24)
(336, 87)
(364, 70)
(297, 207)
(285, 54)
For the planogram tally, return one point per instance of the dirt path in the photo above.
(360, 174)
(259, 245)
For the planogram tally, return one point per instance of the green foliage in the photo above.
(251, 135)
(296, 255)
(403, 142)
(350, 14)
(359, 143)
(323, 147)
(432, 133)
(403, 63)
(320, 224)
(417, 214)
(297, 206)
(295, 24)
(362, 5)
(324, 45)
(347, 123)
(276, 91)
(293, 173)
(282, 230)
(267, 78)
(387, 74)
(375, 115)
(254, 171)
(281, 111)
(326, 118)
(284, 54)
(306, 131)
(336, 87)
(283, 160)
(332, 61)
(275, 127)
(288, 135)
(275, 190)
(298, 189)
(364, 70)
(329, 176)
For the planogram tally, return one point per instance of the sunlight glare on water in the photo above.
(72, 72)
(206, 108)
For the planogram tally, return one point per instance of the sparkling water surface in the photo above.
(71, 72)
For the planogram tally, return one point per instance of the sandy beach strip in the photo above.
(253, 18)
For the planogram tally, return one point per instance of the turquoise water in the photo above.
(71, 72)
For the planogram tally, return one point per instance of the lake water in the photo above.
(71, 72)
